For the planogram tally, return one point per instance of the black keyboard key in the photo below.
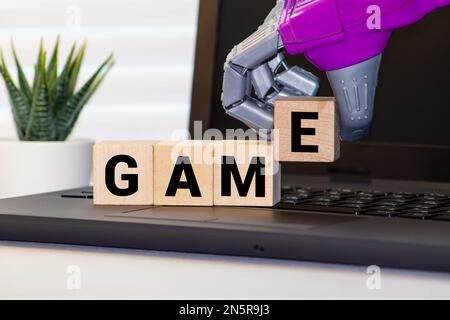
(441, 212)
(420, 210)
(431, 199)
(326, 199)
(395, 200)
(333, 197)
(304, 194)
(372, 194)
(422, 206)
(353, 205)
(440, 199)
(318, 203)
(443, 217)
(438, 195)
(430, 202)
(387, 208)
(336, 193)
(309, 190)
(367, 198)
(417, 215)
(379, 213)
(78, 196)
(318, 208)
(289, 197)
(346, 192)
(336, 197)
(298, 198)
(357, 201)
(389, 203)
(287, 201)
(402, 195)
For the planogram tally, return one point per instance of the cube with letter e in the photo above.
(306, 130)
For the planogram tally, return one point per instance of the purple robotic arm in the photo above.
(345, 38)
(334, 34)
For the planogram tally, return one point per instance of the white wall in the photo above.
(147, 94)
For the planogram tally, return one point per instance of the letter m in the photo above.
(254, 172)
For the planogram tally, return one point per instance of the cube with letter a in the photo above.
(183, 173)
(306, 130)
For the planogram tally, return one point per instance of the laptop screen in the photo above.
(412, 102)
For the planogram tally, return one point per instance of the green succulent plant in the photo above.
(48, 109)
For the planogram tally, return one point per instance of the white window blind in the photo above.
(147, 93)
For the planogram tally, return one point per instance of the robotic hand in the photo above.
(338, 37)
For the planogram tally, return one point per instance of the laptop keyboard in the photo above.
(367, 203)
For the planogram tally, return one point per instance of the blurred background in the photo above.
(147, 93)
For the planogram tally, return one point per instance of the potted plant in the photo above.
(45, 113)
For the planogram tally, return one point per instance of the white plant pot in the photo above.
(38, 167)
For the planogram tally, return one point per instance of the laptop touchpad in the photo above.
(258, 217)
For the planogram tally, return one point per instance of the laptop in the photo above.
(385, 203)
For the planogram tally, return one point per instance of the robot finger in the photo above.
(299, 81)
(276, 62)
(252, 114)
(235, 85)
(262, 80)
(283, 93)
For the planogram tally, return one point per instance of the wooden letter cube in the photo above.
(246, 174)
(183, 173)
(123, 173)
(306, 130)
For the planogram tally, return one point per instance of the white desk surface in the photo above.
(40, 271)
